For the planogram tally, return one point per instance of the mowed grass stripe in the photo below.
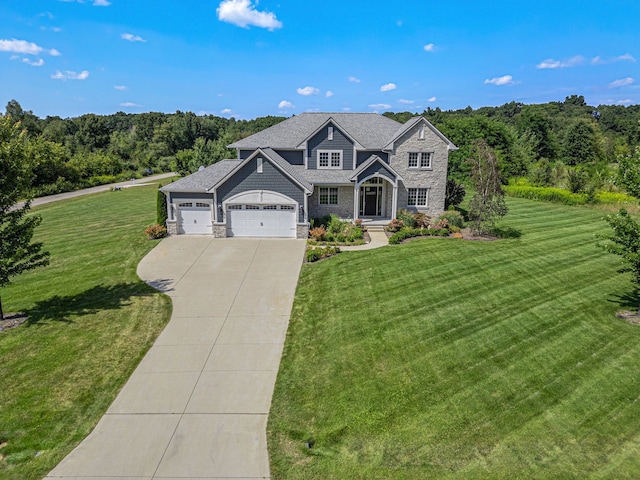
(454, 359)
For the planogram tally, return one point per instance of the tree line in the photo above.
(569, 144)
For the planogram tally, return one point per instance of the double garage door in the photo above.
(248, 220)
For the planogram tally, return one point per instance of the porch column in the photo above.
(394, 201)
(356, 201)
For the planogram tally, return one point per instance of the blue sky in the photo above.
(249, 58)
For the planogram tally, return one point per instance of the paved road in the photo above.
(197, 405)
(99, 188)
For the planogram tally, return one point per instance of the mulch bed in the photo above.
(12, 320)
(630, 317)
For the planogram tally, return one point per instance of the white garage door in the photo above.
(245, 220)
(194, 218)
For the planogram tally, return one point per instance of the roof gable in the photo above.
(412, 122)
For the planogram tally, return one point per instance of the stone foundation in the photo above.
(172, 227)
(219, 230)
(302, 231)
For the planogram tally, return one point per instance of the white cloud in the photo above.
(70, 75)
(329, 94)
(308, 91)
(627, 57)
(101, 3)
(626, 101)
(388, 87)
(354, 80)
(550, 63)
(129, 104)
(431, 99)
(243, 14)
(132, 38)
(378, 106)
(25, 48)
(225, 111)
(34, 63)
(284, 105)
(623, 82)
(406, 102)
(429, 47)
(120, 87)
(504, 80)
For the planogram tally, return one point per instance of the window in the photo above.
(421, 133)
(202, 205)
(252, 207)
(287, 207)
(328, 195)
(330, 133)
(420, 159)
(270, 207)
(259, 164)
(235, 207)
(418, 197)
(329, 158)
(185, 204)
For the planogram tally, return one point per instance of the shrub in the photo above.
(161, 208)
(453, 218)
(395, 225)
(155, 231)
(549, 194)
(314, 254)
(318, 233)
(455, 193)
(320, 221)
(358, 222)
(421, 220)
(407, 218)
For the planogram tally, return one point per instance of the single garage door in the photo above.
(245, 220)
(194, 218)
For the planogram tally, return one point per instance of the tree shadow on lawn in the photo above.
(628, 301)
(94, 300)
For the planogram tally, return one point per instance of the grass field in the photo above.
(90, 321)
(456, 359)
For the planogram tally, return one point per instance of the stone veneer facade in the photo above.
(433, 178)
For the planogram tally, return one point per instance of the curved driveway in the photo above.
(197, 405)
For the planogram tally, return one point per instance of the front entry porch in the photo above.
(375, 201)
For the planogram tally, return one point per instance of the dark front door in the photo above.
(372, 201)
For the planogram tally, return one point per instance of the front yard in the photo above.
(90, 321)
(463, 359)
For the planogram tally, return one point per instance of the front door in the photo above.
(372, 199)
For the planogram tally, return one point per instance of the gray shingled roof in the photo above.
(324, 177)
(371, 130)
(203, 180)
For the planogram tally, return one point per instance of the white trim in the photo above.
(330, 159)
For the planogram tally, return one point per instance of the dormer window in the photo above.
(330, 133)
(330, 159)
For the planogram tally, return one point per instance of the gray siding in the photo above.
(340, 142)
(181, 197)
(244, 154)
(378, 168)
(271, 178)
(294, 157)
(364, 156)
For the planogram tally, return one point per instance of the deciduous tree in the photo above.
(487, 205)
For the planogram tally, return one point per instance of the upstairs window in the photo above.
(329, 158)
(420, 159)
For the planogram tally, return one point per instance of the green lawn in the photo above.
(445, 358)
(91, 320)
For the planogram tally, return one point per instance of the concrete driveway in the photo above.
(197, 405)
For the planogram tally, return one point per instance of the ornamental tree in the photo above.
(487, 205)
(18, 253)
